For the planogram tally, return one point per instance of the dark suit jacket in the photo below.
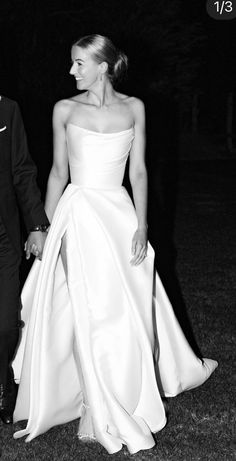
(18, 187)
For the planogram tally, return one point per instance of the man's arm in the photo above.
(24, 176)
(58, 176)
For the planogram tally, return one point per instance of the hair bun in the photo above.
(120, 67)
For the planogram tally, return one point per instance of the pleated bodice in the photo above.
(96, 159)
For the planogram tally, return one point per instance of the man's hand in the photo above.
(35, 244)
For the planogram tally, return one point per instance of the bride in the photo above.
(99, 327)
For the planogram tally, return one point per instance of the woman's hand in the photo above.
(35, 244)
(139, 246)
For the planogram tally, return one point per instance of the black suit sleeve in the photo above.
(24, 174)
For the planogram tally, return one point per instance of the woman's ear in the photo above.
(104, 67)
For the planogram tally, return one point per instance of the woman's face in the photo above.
(84, 68)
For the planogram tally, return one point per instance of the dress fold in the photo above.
(99, 331)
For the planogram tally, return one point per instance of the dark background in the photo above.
(182, 63)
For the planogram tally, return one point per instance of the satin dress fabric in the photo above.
(100, 342)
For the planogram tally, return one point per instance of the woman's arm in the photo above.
(59, 174)
(138, 180)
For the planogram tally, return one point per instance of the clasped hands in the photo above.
(36, 240)
(139, 246)
(35, 244)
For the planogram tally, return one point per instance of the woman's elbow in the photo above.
(59, 174)
(137, 177)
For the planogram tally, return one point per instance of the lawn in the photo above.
(201, 422)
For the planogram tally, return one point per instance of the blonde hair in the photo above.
(103, 50)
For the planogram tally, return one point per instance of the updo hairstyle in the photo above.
(103, 50)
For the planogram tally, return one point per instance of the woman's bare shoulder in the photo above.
(136, 108)
(136, 104)
(66, 104)
(63, 109)
(132, 101)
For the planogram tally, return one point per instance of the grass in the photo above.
(200, 422)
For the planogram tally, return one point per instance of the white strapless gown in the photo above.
(101, 341)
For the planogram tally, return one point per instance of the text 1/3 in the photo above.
(221, 9)
(224, 6)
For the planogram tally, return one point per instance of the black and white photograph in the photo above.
(117, 230)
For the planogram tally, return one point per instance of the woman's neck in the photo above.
(102, 95)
